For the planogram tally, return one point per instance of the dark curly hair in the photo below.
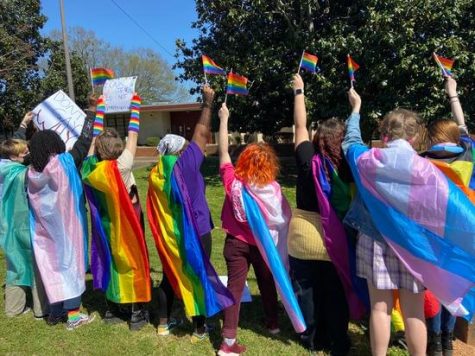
(43, 145)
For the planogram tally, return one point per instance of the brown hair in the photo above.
(328, 138)
(443, 130)
(12, 147)
(400, 124)
(257, 164)
(108, 145)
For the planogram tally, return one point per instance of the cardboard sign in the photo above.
(246, 294)
(59, 113)
(118, 94)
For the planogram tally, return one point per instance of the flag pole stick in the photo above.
(206, 78)
(226, 95)
(92, 82)
(300, 63)
(444, 73)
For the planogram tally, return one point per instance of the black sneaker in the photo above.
(447, 344)
(112, 318)
(139, 319)
(434, 345)
(56, 319)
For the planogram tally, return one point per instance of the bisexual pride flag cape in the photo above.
(269, 222)
(334, 198)
(59, 227)
(425, 218)
(119, 257)
(15, 238)
(174, 229)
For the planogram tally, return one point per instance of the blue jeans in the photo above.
(61, 308)
(443, 322)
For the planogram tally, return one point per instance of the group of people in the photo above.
(367, 222)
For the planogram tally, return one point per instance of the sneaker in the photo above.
(56, 319)
(82, 320)
(233, 350)
(197, 337)
(447, 344)
(434, 345)
(138, 320)
(111, 318)
(41, 317)
(164, 330)
(274, 331)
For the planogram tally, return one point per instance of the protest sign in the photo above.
(118, 93)
(59, 113)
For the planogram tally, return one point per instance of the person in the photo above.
(120, 264)
(316, 279)
(451, 150)
(58, 220)
(15, 239)
(176, 211)
(254, 176)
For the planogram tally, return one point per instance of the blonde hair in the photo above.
(443, 130)
(108, 145)
(400, 124)
(13, 147)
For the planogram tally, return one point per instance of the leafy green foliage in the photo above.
(391, 40)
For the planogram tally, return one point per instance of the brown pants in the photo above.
(239, 255)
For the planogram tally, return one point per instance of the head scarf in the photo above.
(171, 144)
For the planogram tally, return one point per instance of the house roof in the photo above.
(171, 107)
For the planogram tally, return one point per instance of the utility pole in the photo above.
(69, 74)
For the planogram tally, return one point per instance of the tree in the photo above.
(391, 40)
(20, 47)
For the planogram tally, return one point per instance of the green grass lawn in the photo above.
(24, 335)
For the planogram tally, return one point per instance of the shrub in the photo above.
(152, 141)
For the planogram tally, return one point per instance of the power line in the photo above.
(143, 29)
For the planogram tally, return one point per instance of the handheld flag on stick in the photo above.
(100, 75)
(308, 62)
(352, 68)
(445, 64)
(210, 67)
(237, 84)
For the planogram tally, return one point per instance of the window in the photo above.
(120, 122)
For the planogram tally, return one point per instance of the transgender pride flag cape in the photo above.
(119, 256)
(59, 227)
(425, 218)
(173, 226)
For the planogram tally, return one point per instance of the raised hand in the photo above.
(208, 95)
(355, 100)
(223, 112)
(297, 82)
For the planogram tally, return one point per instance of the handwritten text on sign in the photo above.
(59, 113)
(118, 94)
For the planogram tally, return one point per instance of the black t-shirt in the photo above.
(305, 191)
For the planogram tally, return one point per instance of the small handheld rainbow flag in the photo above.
(308, 62)
(210, 67)
(100, 75)
(352, 68)
(445, 65)
(236, 84)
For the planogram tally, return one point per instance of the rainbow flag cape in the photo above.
(352, 68)
(425, 218)
(58, 227)
(334, 197)
(15, 239)
(100, 75)
(236, 84)
(173, 226)
(445, 65)
(210, 67)
(119, 256)
(309, 62)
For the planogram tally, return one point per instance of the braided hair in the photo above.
(43, 145)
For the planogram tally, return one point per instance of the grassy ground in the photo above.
(24, 335)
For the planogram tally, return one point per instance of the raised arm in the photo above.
(134, 124)
(300, 113)
(457, 112)
(98, 123)
(353, 131)
(20, 133)
(202, 128)
(223, 143)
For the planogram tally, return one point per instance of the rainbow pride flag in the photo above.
(173, 226)
(237, 84)
(309, 62)
(210, 67)
(352, 68)
(425, 218)
(119, 256)
(100, 75)
(58, 226)
(445, 65)
(334, 197)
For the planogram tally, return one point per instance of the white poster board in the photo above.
(246, 294)
(118, 94)
(59, 113)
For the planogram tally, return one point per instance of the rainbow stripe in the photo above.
(210, 67)
(425, 218)
(100, 75)
(352, 68)
(309, 62)
(119, 262)
(58, 227)
(99, 120)
(134, 122)
(237, 84)
(445, 65)
(173, 226)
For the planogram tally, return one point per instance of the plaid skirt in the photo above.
(377, 263)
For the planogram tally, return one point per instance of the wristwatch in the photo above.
(298, 91)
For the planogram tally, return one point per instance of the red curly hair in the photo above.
(257, 164)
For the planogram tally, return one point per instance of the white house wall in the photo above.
(153, 124)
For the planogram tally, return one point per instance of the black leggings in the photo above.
(166, 294)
